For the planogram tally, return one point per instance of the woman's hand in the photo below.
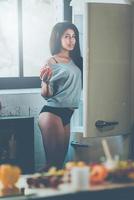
(45, 73)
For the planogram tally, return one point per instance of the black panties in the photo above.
(64, 113)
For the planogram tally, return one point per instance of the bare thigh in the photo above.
(52, 128)
(55, 138)
(50, 123)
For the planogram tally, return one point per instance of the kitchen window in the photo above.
(25, 27)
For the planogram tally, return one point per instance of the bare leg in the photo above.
(55, 138)
(67, 137)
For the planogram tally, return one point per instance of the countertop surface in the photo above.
(66, 191)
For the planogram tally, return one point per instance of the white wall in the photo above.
(25, 104)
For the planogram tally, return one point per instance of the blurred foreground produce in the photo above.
(98, 173)
(53, 178)
(123, 172)
(69, 165)
(9, 175)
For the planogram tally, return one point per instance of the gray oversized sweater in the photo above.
(66, 83)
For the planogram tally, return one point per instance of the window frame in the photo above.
(22, 82)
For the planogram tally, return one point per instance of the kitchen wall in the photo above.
(25, 103)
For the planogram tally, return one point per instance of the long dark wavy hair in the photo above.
(55, 42)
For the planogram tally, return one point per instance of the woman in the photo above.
(61, 87)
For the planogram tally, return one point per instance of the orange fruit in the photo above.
(9, 191)
(98, 173)
(9, 175)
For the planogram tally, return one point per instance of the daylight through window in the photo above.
(25, 27)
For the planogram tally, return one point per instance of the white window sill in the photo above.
(21, 91)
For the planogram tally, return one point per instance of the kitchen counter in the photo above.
(105, 191)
